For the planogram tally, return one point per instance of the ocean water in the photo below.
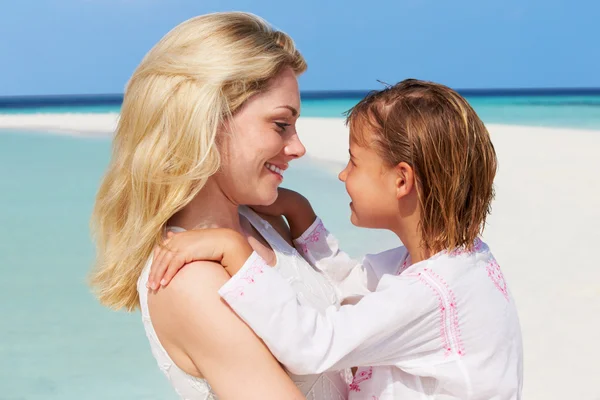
(573, 111)
(56, 341)
(581, 111)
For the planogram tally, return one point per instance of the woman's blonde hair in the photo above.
(165, 147)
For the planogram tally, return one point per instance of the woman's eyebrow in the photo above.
(292, 109)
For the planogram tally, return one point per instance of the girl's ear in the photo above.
(405, 180)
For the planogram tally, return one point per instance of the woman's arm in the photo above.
(201, 332)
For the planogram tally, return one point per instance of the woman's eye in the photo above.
(281, 126)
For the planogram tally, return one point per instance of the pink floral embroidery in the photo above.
(495, 274)
(312, 237)
(449, 324)
(237, 291)
(361, 377)
(256, 268)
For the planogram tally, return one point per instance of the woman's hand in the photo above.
(224, 246)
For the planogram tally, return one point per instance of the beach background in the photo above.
(57, 342)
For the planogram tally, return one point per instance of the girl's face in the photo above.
(373, 188)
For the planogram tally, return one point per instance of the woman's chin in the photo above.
(267, 197)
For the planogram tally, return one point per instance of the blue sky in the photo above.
(92, 46)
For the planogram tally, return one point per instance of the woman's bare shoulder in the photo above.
(181, 309)
(194, 286)
(204, 337)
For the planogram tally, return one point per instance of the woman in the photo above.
(207, 125)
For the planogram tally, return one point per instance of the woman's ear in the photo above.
(405, 180)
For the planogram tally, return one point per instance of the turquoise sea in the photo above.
(568, 110)
(56, 342)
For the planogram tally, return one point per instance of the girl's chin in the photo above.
(354, 220)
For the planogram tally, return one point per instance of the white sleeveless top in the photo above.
(312, 289)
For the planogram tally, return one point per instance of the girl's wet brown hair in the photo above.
(434, 130)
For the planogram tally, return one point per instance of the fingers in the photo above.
(176, 262)
(160, 271)
(158, 264)
(167, 261)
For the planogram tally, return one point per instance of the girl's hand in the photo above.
(224, 246)
(281, 206)
(294, 207)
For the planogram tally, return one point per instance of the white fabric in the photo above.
(443, 328)
(311, 288)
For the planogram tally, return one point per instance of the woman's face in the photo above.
(259, 143)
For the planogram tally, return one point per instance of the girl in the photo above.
(434, 318)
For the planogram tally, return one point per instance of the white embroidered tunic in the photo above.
(443, 328)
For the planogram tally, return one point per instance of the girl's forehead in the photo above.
(362, 151)
(363, 142)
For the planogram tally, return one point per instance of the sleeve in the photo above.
(351, 278)
(393, 325)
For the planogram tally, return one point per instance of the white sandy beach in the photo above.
(543, 230)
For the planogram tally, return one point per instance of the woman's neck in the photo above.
(211, 208)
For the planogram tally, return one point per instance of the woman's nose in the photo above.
(294, 147)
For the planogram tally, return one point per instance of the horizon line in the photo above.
(117, 98)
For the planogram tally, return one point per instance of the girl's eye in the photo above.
(281, 126)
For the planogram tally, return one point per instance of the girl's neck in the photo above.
(409, 234)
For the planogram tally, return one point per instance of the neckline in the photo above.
(265, 230)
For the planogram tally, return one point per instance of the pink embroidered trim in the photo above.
(407, 263)
(256, 268)
(312, 237)
(359, 378)
(496, 275)
(449, 324)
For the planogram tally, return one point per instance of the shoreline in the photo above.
(324, 138)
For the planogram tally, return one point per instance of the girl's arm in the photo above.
(351, 278)
(396, 324)
(224, 246)
(319, 247)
